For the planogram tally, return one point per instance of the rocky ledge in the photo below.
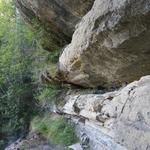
(116, 120)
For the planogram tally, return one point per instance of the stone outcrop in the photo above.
(110, 45)
(58, 17)
(118, 120)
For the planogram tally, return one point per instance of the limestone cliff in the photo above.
(110, 47)
(118, 120)
(110, 44)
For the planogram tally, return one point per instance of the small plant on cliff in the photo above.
(56, 129)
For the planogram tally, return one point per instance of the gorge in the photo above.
(91, 66)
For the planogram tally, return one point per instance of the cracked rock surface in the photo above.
(122, 116)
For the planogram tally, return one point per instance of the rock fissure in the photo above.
(128, 99)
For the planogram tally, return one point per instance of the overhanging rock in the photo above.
(110, 46)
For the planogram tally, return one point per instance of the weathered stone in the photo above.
(125, 118)
(90, 106)
(75, 147)
(58, 17)
(110, 45)
(132, 128)
(97, 139)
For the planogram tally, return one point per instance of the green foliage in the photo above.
(45, 62)
(47, 94)
(53, 56)
(22, 59)
(56, 129)
(16, 87)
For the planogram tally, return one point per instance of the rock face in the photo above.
(110, 45)
(118, 120)
(58, 17)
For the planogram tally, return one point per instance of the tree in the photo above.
(16, 86)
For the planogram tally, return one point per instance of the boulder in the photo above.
(110, 45)
(122, 115)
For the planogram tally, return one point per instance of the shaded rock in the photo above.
(110, 45)
(58, 17)
(124, 117)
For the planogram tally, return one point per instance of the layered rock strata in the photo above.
(122, 116)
